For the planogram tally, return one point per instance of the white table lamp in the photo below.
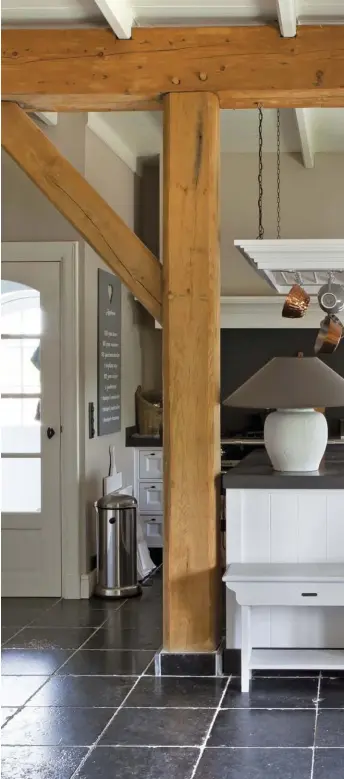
(295, 435)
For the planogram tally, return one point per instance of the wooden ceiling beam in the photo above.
(91, 70)
(84, 208)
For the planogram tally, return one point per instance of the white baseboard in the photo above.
(87, 584)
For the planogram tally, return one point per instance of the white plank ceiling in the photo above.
(165, 12)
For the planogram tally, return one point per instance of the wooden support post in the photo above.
(191, 371)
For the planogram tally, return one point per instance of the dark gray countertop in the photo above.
(255, 472)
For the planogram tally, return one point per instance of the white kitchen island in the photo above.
(285, 565)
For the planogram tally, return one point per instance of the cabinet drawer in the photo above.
(150, 464)
(289, 594)
(151, 497)
(154, 531)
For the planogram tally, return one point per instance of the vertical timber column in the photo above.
(191, 372)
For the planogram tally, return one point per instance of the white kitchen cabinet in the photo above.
(149, 493)
(150, 464)
(151, 497)
(287, 527)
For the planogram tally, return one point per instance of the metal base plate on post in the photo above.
(118, 592)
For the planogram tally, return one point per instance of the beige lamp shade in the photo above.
(290, 382)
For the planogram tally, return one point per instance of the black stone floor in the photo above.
(80, 701)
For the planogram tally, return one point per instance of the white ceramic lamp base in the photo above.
(295, 439)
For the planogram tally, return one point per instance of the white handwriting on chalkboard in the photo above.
(109, 334)
(110, 313)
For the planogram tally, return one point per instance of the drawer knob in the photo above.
(309, 594)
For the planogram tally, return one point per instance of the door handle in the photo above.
(50, 432)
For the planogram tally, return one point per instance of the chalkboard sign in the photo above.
(109, 353)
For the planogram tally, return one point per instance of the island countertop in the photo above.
(255, 472)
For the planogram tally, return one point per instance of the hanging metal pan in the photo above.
(296, 303)
(329, 335)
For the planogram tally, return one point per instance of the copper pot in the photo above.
(329, 335)
(296, 303)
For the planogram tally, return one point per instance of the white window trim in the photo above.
(66, 253)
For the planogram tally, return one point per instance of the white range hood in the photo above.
(279, 260)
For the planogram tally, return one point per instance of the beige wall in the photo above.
(27, 215)
(312, 206)
(116, 183)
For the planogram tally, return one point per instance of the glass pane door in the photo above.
(21, 397)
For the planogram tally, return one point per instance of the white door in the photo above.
(30, 416)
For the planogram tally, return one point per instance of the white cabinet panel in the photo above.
(335, 526)
(151, 497)
(151, 464)
(312, 527)
(255, 527)
(283, 527)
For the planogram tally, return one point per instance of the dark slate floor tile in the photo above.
(272, 693)
(50, 638)
(330, 728)
(42, 604)
(71, 614)
(77, 691)
(40, 762)
(7, 633)
(53, 726)
(328, 764)
(7, 713)
(255, 764)
(139, 763)
(332, 693)
(177, 691)
(135, 619)
(262, 728)
(18, 617)
(32, 662)
(114, 638)
(108, 662)
(16, 690)
(158, 727)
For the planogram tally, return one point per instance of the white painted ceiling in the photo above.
(155, 12)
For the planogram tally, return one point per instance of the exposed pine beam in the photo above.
(76, 199)
(244, 66)
(191, 370)
(119, 15)
(286, 12)
(303, 120)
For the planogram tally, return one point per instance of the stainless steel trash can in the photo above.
(116, 547)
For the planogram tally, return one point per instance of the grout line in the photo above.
(206, 738)
(27, 625)
(49, 676)
(315, 725)
(95, 744)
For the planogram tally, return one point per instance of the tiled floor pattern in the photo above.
(80, 701)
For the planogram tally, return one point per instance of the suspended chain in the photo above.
(278, 173)
(260, 174)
